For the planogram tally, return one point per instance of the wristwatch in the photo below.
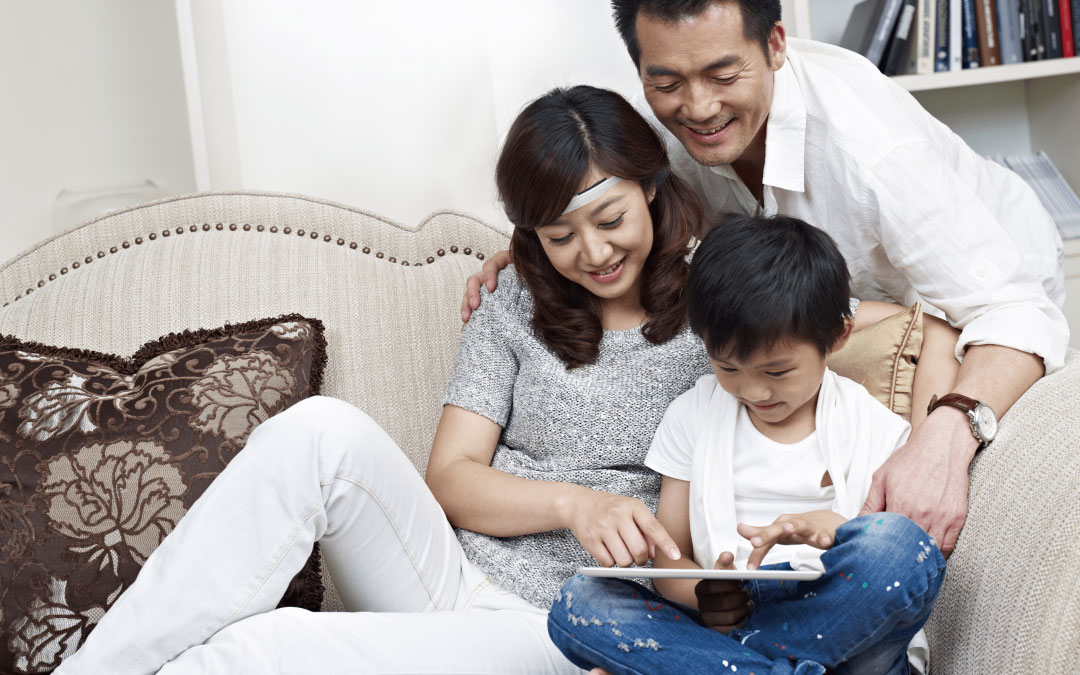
(983, 422)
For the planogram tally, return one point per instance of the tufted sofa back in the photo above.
(387, 293)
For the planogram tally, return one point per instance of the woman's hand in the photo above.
(816, 528)
(616, 530)
(724, 604)
(488, 276)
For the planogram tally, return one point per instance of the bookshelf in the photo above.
(1019, 108)
(964, 78)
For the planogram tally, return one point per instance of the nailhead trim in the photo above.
(206, 227)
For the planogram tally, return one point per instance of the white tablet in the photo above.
(670, 573)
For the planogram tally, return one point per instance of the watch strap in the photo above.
(965, 403)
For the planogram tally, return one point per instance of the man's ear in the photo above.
(842, 339)
(777, 46)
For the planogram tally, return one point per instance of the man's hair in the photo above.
(759, 282)
(759, 17)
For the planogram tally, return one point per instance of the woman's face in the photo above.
(602, 246)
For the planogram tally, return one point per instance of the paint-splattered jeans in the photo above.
(882, 577)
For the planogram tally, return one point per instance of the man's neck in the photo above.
(750, 166)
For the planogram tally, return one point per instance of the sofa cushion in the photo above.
(882, 358)
(101, 456)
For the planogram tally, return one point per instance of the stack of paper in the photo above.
(1056, 195)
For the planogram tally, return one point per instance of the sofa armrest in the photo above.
(1010, 596)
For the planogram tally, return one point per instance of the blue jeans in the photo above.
(882, 576)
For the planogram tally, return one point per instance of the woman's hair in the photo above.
(552, 147)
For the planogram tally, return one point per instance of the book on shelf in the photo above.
(923, 34)
(987, 30)
(1050, 186)
(970, 49)
(1052, 29)
(1074, 8)
(956, 33)
(1067, 32)
(941, 36)
(899, 56)
(1009, 32)
(870, 27)
(1036, 19)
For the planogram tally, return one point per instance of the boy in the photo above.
(767, 462)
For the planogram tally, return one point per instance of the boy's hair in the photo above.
(757, 282)
(759, 17)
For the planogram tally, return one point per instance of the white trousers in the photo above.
(320, 471)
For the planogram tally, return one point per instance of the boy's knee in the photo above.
(893, 540)
(883, 529)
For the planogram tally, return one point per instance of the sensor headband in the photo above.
(591, 194)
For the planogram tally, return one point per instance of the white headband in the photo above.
(592, 194)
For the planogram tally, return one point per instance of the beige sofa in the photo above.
(388, 295)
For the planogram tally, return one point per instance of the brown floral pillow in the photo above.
(100, 457)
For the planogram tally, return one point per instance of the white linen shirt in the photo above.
(919, 216)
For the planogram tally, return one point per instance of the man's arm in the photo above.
(944, 446)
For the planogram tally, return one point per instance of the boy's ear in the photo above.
(843, 337)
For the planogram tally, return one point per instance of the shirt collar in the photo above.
(785, 135)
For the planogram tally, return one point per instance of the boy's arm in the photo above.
(724, 604)
(673, 512)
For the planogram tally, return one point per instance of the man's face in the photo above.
(707, 83)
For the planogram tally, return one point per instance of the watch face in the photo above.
(986, 422)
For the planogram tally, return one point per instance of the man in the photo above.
(757, 125)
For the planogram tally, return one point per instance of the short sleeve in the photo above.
(486, 365)
(672, 451)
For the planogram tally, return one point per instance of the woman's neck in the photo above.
(622, 314)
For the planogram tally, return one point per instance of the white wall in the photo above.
(398, 108)
(92, 97)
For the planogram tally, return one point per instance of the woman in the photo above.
(560, 381)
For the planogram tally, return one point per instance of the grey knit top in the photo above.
(591, 425)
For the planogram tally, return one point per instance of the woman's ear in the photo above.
(650, 195)
(842, 339)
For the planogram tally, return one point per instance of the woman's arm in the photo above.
(612, 528)
(936, 367)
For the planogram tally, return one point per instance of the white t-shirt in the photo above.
(771, 479)
(697, 440)
(918, 215)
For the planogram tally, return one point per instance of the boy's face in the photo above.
(779, 386)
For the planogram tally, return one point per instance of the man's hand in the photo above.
(926, 479)
(488, 276)
(616, 530)
(724, 603)
(816, 528)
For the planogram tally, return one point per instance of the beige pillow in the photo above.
(882, 357)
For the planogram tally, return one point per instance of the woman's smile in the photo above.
(609, 274)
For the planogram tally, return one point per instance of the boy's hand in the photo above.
(617, 530)
(724, 603)
(816, 528)
(488, 276)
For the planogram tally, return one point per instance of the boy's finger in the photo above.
(651, 528)
(725, 561)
